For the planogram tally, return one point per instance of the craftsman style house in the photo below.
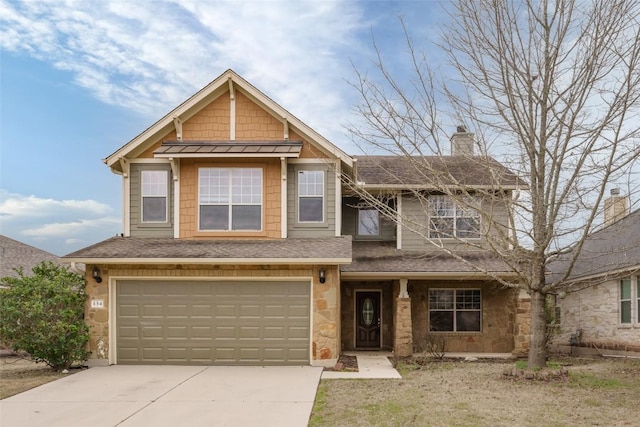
(245, 242)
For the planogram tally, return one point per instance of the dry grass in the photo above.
(596, 392)
(19, 374)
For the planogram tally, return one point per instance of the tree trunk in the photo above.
(538, 344)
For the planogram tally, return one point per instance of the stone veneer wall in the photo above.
(325, 311)
(498, 317)
(522, 331)
(596, 312)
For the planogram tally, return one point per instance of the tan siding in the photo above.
(254, 123)
(210, 123)
(309, 151)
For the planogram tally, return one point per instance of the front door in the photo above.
(368, 319)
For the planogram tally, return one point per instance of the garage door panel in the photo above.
(213, 322)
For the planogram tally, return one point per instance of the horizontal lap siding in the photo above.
(139, 229)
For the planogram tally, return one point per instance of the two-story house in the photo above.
(242, 244)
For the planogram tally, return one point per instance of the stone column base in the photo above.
(403, 330)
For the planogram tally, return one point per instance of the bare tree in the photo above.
(552, 88)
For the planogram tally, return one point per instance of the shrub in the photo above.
(42, 314)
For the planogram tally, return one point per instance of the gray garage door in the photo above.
(224, 323)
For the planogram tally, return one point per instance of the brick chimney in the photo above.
(616, 207)
(462, 142)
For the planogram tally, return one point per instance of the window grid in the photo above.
(463, 305)
(233, 188)
(449, 220)
(310, 196)
(154, 190)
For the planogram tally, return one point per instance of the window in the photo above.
(625, 300)
(368, 222)
(310, 196)
(449, 220)
(230, 199)
(154, 196)
(638, 297)
(454, 310)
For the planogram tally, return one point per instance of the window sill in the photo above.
(230, 234)
(455, 333)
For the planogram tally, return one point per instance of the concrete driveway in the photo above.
(169, 396)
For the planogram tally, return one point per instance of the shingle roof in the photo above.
(432, 171)
(196, 148)
(14, 254)
(383, 257)
(613, 248)
(157, 250)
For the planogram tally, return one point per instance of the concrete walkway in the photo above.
(169, 396)
(371, 364)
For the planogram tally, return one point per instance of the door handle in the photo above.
(378, 322)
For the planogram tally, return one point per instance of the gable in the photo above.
(228, 109)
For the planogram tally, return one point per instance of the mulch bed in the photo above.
(345, 364)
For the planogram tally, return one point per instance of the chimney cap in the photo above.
(461, 129)
(615, 191)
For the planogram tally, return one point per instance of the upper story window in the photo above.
(310, 196)
(629, 297)
(230, 199)
(455, 310)
(368, 222)
(448, 219)
(154, 196)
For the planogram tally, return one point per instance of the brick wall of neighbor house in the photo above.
(325, 312)
(347, 315)
(595, 311)
(498, 317)
(189, 197)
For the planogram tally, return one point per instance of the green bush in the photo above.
(43, 314)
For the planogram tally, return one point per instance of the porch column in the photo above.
(522, 327)
(403, 333)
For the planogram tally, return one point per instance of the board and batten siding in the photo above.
(138, 228)
(415, 220)
(350, 223)
(326, 228)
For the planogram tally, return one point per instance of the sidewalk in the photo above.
(371, 364)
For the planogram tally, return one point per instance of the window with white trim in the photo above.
(310, 196)
(629, 303)
(455, 310)
(448, 219)
(368, 222)
(230, 199)
(154, 195)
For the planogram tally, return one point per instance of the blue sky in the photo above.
(79, 79)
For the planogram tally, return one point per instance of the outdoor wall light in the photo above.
(321, 276)
(95, 273)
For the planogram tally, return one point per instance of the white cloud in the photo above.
(150, 56)
(73, 228)
(57, 226)
(20, 206)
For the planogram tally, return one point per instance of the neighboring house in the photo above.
(601, 309)
(17, 255)
(242, 244)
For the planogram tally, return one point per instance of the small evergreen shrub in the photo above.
(43, 315)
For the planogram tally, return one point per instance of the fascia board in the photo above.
(224, 261)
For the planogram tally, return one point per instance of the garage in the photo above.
(213, 322)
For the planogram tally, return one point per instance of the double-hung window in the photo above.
(310, 196)
(154, 196)
(448, 219)
(230, 199)
(455, 310)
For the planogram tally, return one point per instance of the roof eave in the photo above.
(219, 261)
(451, 275)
